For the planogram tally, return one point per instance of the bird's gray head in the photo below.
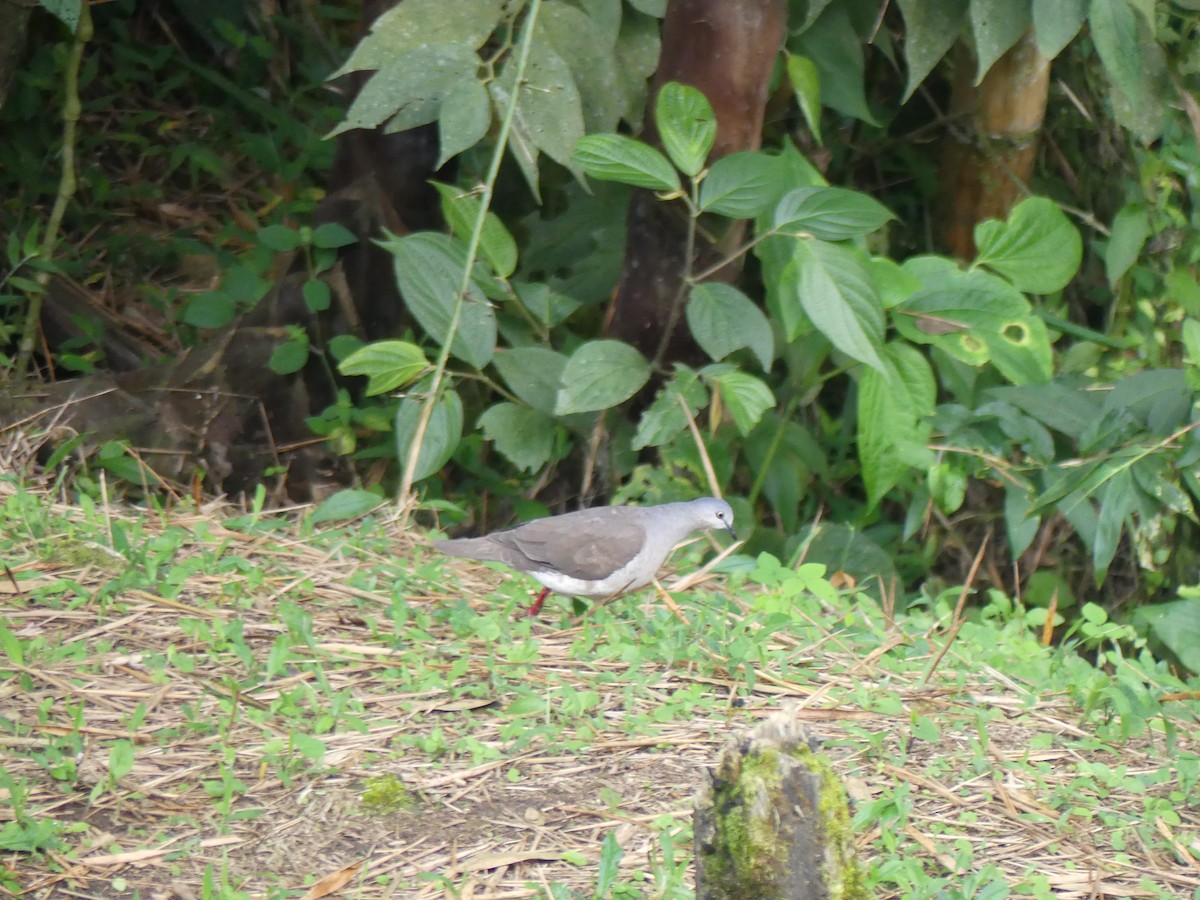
(714, 513)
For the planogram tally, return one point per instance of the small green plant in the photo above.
(385, 795)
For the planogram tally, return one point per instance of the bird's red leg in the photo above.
(536, 608)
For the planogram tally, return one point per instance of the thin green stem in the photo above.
(66, 188)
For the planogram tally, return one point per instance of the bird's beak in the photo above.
(732, 533)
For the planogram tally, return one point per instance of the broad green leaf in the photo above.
(1020, 522)
(829, 213)
(996, 25)
(1037, 248)
(549, 111)
(547, 306)
(723, 319)
(348, 504)
(1068, 410)
(441, 436)
(525, 436)
(836, 293)
(599, 375)
(836, 50)
(1056, 22)
(746, 398)
(66, 11)
(533, 373)
(279, 238)
(496, 245)
(415, 24)
(893, 419)
(1159, 399)
(806, 84)
(1130, 229)
(387, 364)
(332, 235)
(429, 270)
(120, 758)
(614, 157)
(1115, 32)
(1177, 625)
(686, 126)
(587, 39)
(931, 28)
(549, 114)
(210, 309)
(977, 318)
(743, 185)
(463, 119)
(664, 418)
(408, 89)
(947, 486)
(289, 357)
(1116, 504)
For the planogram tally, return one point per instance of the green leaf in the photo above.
(1037, 248)
(746, 398)
(665, 418)
(351, 503)
(409, 88)
(120, 759)
(743, 185)
(1116, 504)
(1177, 625)
(599, 375)
(279, 238)
(931, 28)
(211, 309)
(614, 157)
(387, 364)
(414, 24)
(1130, 230)
(463, 119)
(428, 270)
(549, 115)
(1114, 29)
(1056, 22)
(829, 213)
(441, 436)
(533, 373)
(723, 319)
(332, 235)
(523, 435)
(66, 11)
(686, 126)
(893, 414)
(836, 293)
(836, 50)
(587, 39)
(461, 211)
(548, 306)
(996, 25)
(316, 295)
(806, 84)
(1020, 521)
(978, 318)
(289, 357)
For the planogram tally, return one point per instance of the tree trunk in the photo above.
(726, 49)
(988, 156)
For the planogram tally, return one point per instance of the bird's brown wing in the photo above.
(589, 545)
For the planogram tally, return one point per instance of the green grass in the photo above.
(246, 704)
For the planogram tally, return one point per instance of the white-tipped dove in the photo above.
(598, 552)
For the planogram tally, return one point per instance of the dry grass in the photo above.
(529, 808)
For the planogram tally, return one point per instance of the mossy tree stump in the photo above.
(772, 822)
